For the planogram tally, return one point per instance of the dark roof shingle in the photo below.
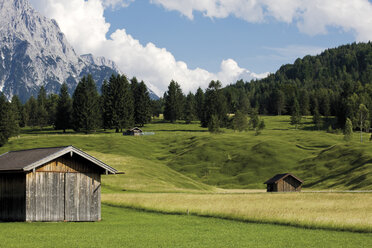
(17, 160)
(27, 160)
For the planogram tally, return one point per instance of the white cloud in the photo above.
(311, 17)
(117, 3)
(85, 27)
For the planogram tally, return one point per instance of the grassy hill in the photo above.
(182, 157)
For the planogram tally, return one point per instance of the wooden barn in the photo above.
(284, 183)
(134, 132)
(51, 184)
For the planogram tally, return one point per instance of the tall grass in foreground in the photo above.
(335, 211)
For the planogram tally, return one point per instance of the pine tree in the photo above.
(42, 113)
(86, 112)
(51, 107)
(18, 110)
(215, 104)
(8, 120)
(199, 104)
(317, 119)
(122, 102)
(304, 103)
(64, 110)
(243, 104)
(190, 113)
(106, 105)
(31, 107)
(254, 119)
(295, 114)
(279, 101)
(240, 121)
(214, 124)
(174, 99)
(348, 131)
(142, 102)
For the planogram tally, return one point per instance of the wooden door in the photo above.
(82, 193)
(45, 196)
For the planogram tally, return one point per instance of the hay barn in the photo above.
(284, 183)
(133, 132)
(51, 184)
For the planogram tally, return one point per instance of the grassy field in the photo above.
(335, 211)
(229, 160)
(183, 168)
(128, 228)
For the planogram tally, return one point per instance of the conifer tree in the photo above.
(85, 106)
(64, 110)
(18, 110)
(190, 113)
(317, 119)
(51, 107)
(199, 104)
(31, 107)
(254, 119)
(243, 103)
(142, 102)
(8, 120)
(106, 105)
(295, 114)
(42, 113)
(121, 102)
(240, 121)
(215, 104)
(214, 124)
(174, 99)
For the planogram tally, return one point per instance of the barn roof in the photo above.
(277, 177)
(27, 160)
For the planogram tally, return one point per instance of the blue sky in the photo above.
(194, 42)
(205, 42)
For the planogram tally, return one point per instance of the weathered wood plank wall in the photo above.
(64, 189)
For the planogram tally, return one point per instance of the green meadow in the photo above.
(188, 157)
(129, 228)
(182, 173)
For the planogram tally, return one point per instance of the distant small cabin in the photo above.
(134, 131)
(284, 183)
(51, 184)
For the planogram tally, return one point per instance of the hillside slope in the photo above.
(182, 157)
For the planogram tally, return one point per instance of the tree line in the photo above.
(336, 83)
(122, 104)
(210, 107)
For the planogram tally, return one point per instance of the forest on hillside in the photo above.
(336, 83)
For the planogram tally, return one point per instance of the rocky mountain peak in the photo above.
(34, 53)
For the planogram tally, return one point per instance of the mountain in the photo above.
(34, 53)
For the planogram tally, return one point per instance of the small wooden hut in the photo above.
(134, 131)
(284, 183)
(51, 184)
